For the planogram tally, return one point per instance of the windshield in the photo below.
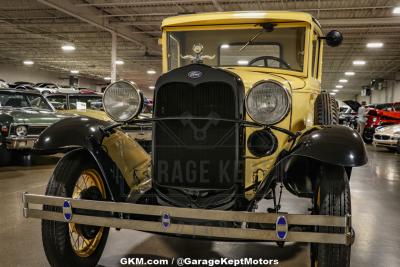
(80, 102)
(282, 48)
(86, 102)
(18, 100)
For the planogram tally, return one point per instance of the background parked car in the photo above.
(348, 113)
(46, 88)
(20, 83)
(25, 87)
(90, 105)
(23, 116)
(380, 115)
(3, 84)
(388, 137)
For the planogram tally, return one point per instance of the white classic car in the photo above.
(388, 137)
(52, 88)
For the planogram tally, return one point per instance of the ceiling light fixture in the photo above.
(151, 87)
(335, 90)
(375, 45)
(28, 62)
(396, 10)
(151, 72)
(339, 86)
(107, 78)
(242, 62)
(119, 62)
(359, 62)
(225, 46)
(68, 47)
(332, 93)
(343, 81)
(349, 73)
(74, 71)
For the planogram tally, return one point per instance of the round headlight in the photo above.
(268, 102)
(21, 130)
(122, 101)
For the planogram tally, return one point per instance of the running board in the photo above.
(282, 222)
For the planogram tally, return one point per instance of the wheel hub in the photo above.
(89, 231)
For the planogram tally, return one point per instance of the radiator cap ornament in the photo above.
(194, 74)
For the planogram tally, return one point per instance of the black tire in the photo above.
(56, 235)
(368, 136)
(6, 156)
(326, 110)
(332, 198)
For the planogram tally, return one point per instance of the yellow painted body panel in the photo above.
(302, 86)
(133, 162)
(236, 17)
(95, 114)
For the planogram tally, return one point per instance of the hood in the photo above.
(95, 114)
(353, 104)
(389, 130)
(32, 115)
(254, 75)
(143, 116)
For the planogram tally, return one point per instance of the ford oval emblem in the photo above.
(194, 74)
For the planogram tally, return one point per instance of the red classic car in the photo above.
(380, 115)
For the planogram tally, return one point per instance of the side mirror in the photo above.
(334, 38)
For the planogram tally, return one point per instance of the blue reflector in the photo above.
(281, 235)
(282, 220)
(281, 227)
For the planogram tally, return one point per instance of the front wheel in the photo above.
(398, 146)
(332, 197)
(6, 156)
(368, 135)
(70, 244)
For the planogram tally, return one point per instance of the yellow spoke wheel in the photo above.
(83, 245)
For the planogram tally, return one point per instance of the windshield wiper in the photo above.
(267, 27)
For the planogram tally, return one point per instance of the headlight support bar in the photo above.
(242, 122)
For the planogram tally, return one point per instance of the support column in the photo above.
(113, 56)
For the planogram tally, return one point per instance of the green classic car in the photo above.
(23, 116)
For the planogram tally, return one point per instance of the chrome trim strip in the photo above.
(192, 230)
(232, 216)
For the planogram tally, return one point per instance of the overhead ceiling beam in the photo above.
(149, 2)
(217, 5)
(360, 21)
(139, 15)
(90, 15)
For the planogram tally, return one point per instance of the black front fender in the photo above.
(338, 145)
(298, 167)
(70, 133)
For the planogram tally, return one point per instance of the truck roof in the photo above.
(238, 17)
